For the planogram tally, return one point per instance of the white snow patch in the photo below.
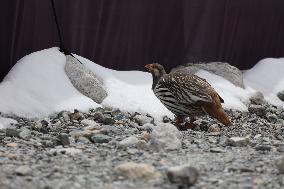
(267, 76)
(234, 97)
(6, 122)
(38, 86)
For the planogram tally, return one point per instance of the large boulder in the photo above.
(84, 80)
(229, 72)
(281, 95)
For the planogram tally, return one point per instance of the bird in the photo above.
(186, 95)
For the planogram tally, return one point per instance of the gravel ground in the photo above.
(107, 148)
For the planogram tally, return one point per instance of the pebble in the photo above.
(64, 139)
(214, 128)
(12, 145)
(135, 171)
(100, 138)
(238, 141)
(217, 150)
(263, 148)
(142, 119)
(12, 132)
(165, 137)
(23, 170)
(25, 134)
(184, 175)
(132, 141)
(280, 164)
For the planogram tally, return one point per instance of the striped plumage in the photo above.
(186, 95)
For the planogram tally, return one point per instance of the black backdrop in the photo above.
(126, 34)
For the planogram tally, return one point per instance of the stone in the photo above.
(257, 98)
(280, 95)
(7, 122)
(280, 164)
(76, 116)
(23, 170)
(84, 80)
(165, 137)
(214, 128)
(68, 151)
(88, 122)
(183, 175)
(132, 141)
(166, 119)
(12, 132)
(217, 150)
(135, 171)
(12, 145)
(262, 148)
(142, 119)
(64, 139)
(25, 134)
(100, 138)
(229, 72)
(257, 109)
(83, 140)
(238, 141)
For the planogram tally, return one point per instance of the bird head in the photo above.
(157, 70)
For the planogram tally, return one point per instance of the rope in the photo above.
(61, 45)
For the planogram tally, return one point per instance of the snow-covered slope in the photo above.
(37, 86)
(267, 76)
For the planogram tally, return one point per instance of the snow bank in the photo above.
(267, 76)
(38, 86)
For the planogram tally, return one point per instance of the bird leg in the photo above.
(189, 125)
(179, 120)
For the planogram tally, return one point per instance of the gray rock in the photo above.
(183, 175)
(100, 138)
(280, 164)
(135, 171)
(229, 72)
(64, 139)
(132, 141)
(238, 141)
(257, 98)
(88, 122)
(23, 170)
(263, 148)
(142, 119)
(25, 133)
(257, 109)
(281, 95)
(165, 136)
(84, 80)
(12, 132)
(83, 140)
(217, 150)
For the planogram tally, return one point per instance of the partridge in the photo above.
(186, 95)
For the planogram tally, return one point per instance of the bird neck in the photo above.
(156, 79)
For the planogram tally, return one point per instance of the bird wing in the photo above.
(187, 88)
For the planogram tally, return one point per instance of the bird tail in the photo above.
(218, 113)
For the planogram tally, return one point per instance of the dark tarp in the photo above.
(126, 34)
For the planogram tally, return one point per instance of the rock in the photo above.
(166, 119)
(214, 128)
(272, 118)
(263, 148)
(64, 139)
(88, 122)
(108, 120)
(100, 138)
(132, 141)
(217, 150)
(146, 127)
(76, 116)
(25, 134)
(257, 98)
(142, 119)
(229, 72)
(165, 136)
(238, 141)
(135, 171)
(183, 175)
(83, 140)
(257, 109)
(68, 151)
(23, 170)
(280, 164)
(84, 80)
(12, 132)
(280, 95)
(12, 145)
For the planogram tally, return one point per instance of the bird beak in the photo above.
(148, 67)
